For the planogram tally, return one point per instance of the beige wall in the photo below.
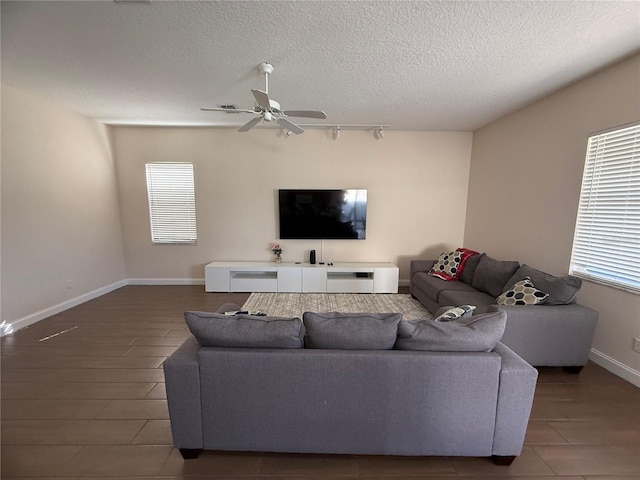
(526, 171)
(60, 214)
(61, 223)
(416, 181)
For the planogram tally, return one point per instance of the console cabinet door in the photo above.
(216, 279)
(314, 280)
(289, 279)
(385, 280)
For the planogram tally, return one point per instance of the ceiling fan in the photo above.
(268, 109)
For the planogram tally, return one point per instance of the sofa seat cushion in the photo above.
(562, 290)
(491, 275)
(478, 333)
(245, 331)
(461, 297)
(432, 286)
(351, 331)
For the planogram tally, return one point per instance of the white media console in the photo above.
(301, 277)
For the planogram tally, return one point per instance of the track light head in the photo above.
(337, 132)
(289, 133)
(379, 133)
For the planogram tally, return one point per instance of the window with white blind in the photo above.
(606, 244)
(172, 203)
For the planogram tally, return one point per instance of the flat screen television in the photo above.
(323, 214)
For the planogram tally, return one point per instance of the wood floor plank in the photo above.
(89, 401)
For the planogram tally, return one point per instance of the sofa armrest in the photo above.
(550, 335)
(182, 381)
(416, 266)
(515, 398)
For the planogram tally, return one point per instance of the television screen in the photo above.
(323, 214)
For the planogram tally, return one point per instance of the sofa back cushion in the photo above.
(478, 333)
(245, 331)
(470, 268)
(492, 275)
(351, 331)
(561, 290)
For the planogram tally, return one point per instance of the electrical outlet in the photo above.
(636, 344)
(69, 284)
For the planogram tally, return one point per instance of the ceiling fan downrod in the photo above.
(266, 69)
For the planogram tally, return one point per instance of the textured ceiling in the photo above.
(417, 65)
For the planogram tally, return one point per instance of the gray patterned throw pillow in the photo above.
(522, 293)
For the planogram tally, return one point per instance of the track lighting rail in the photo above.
(378, 130)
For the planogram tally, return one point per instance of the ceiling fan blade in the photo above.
(305, 114)
(229, 110)
(262, 98)
(250, 124)
(284, 123)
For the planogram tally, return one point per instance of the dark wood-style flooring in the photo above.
(83, 397)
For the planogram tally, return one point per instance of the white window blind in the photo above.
(172, 203)
(606, 244)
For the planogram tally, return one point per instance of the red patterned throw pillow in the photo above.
(449, 265)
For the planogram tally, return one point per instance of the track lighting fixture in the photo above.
(336, 129)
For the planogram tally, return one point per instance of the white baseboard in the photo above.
(9, 327)
(614, 366)
(165, 281)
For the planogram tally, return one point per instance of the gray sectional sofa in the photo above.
(556, 333)
(348, 384)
